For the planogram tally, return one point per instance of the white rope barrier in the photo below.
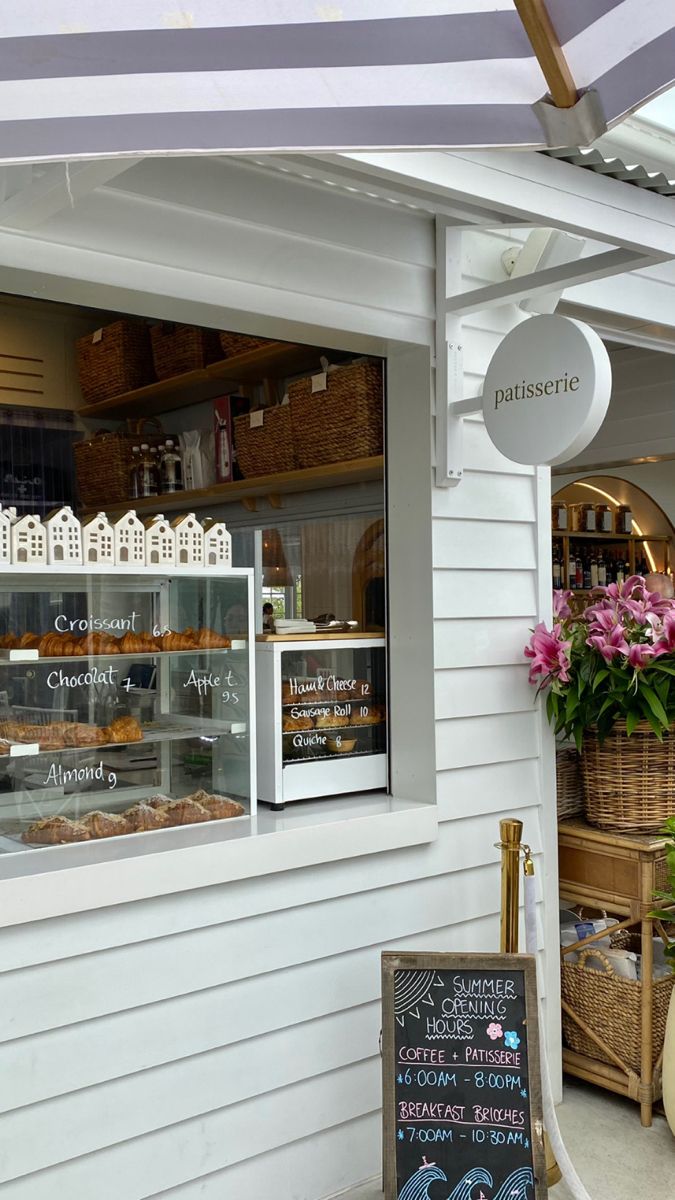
(550, 1118)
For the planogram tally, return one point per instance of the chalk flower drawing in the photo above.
(511, 1039)
(494, 1031)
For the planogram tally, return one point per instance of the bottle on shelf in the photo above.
(148, 476)
(594, 571)
(171, 468)
(587, 571)
(602, 570)
(571, 568)
(557, 569)
(579, 572)
(586, 518)
(626, 570)
(133, 472)
(559, 515)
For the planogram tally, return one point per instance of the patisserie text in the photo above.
(92, 624)
(58, 775)
(56, 679)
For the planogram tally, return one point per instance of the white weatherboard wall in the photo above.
(224, 1041)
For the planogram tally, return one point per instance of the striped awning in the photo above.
(100, 78)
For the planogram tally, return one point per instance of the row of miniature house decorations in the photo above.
(124, 540)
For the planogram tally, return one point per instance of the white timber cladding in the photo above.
(224, 1039)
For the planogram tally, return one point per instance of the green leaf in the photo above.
(655, 704)
(578, 737)
(653, 721)
(632, 719)
(662, 914)
(602, 674)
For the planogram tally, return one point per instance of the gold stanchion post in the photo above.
(510, 841)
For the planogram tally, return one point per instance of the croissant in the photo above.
(184, 812)
(124, 729)
(29, 641)
(52, 830)
(9, 641)
(177, 641)
(103, 825)
(142, 817)
(137, 643)
(78, 734)
(208, 639)
(219, 807)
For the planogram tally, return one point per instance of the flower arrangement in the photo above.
(614, 662)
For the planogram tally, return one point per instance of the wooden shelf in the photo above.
(610, 537)
(358, 470)
(274, 361)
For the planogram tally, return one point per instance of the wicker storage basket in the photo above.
(240, 343)
(629, 782)
(113, 360)
(345, 421)
(569, 787)
(180, 348)
(265, 449)
(102, 463)
(611, 1007)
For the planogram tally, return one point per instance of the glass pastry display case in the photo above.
(126, 702)
(324, 702)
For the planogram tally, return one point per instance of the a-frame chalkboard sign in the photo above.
(461, 1082)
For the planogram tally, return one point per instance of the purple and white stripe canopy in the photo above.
(98, 78)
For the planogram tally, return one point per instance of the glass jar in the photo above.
(586, 518)
(559, 515)
(624, 519)
(603, 518)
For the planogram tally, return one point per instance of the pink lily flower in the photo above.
(549, 653)
(610, 643)
(561, 606)
(640, 654)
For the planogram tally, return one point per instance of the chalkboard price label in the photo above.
(461, 1082)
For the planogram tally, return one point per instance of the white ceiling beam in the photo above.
(59, 187)
(570, 274)
(335, 170)
(536, 190)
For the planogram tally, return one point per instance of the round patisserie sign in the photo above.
(547, 390)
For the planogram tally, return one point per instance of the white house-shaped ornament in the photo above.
(29, 540)
(98, 540)
(160, 542)
(129, 540)
(217, 544)
(7, 518)
(64, 536)
(189, 540)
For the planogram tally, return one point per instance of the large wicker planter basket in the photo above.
(629, 782)
(611, 1008)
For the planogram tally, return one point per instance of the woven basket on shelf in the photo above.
(240, 343)
(342, 421)
(569, 789)
(629, 782)
(180, 348)
(266, 448)
(113, 360)
(612, 1008)
(102, 463)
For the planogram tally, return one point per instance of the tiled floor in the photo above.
(616, 1158)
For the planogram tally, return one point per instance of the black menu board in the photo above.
(461, 1082)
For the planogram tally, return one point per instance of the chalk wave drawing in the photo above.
(518, 1186)
(412, 988)
(464, 1189)
(417, 1187)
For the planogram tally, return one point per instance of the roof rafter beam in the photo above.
(570, 274)
(59, 187)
